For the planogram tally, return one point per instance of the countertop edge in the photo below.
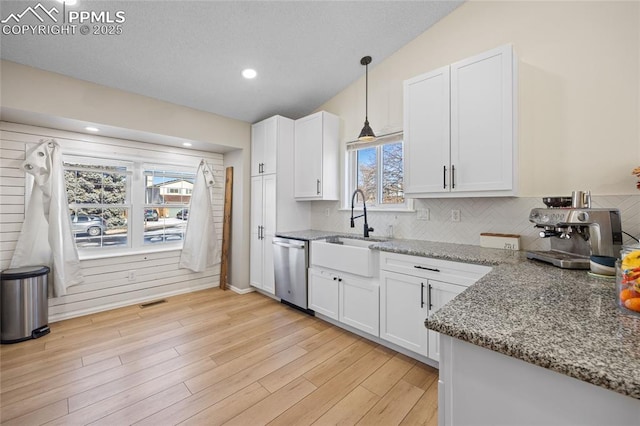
(588, 375)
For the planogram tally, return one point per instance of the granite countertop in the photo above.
(563, 320)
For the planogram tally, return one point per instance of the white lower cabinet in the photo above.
(359, 304)
(411, 289)
(394, 305)
(403, 311)
(324, 293)
(438, 295)
(348, 299)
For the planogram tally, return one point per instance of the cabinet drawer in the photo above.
(425, 267)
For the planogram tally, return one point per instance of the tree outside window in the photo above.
(378, 170)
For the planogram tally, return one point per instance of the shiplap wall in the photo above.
(106, 280)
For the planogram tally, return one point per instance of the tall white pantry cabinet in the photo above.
(273, 207)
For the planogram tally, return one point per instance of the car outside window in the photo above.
(98, 196)
(167, 198)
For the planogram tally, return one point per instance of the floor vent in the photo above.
(155, 302)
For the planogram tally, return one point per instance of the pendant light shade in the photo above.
(366, 134)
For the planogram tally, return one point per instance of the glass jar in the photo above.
(628, 280)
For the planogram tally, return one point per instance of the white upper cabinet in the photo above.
(264, 143)
(459, 128)
(316, 157)
(426, 132)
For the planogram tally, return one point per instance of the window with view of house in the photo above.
(167, 198)
(126, 204)
(377, 168)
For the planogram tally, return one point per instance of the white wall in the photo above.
(579, 87)
(54, 98)
(106, 284)
(578, 112)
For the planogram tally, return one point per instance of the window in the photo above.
(119, 204)
(99, 202)
(377, 169)
(166, 204)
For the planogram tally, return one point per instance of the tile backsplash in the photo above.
(477, 215)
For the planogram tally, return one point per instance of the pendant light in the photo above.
(366, 134)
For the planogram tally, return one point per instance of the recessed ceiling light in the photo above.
(249, 73)
(92, 129)
(186, 143)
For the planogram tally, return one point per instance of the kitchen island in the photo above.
(539, 326)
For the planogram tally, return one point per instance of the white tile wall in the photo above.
(500, 215)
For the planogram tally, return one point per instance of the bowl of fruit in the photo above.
(628, 281)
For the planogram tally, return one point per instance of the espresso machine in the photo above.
(579, 234)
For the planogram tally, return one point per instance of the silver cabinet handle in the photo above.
(318, 186)
(277, 243)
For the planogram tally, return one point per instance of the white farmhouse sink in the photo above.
(346, 255)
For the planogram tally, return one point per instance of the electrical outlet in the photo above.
(326, 212)
(455, 215)
(132, 276)
(422, 214)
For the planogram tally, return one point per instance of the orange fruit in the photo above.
(627, 294)
(633, 304)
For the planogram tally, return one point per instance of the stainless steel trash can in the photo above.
(24, 308)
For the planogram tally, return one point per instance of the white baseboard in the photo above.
(73, 314)
(240, 290)
(423, 359)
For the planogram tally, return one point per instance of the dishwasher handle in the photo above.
(281, 244)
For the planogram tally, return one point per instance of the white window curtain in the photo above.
(46, 237)
(200, 248)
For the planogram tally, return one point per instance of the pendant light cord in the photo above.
(366, 92)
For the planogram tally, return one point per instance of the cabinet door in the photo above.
(270, 145)
(268, 232)
(256, 246)
(323, 292)
(308, 157)
(438, 295)
(258, 142)
(482, 121)
(403, 311)
(359, 304)
(426, 132)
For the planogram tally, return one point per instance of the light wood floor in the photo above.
(208, 358)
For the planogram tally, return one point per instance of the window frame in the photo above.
(159, 167)
(128, 205)
(136, 204)
(351, 173)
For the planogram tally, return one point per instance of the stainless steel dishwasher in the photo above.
(291, 259)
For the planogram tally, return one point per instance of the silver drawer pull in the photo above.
(426, 269)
